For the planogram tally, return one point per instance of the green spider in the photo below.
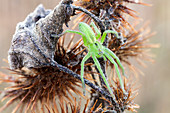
(97, 50)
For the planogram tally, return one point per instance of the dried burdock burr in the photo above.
(114, 10)
(30, 56)
(125, 101)
(46, 85)
(136, 46)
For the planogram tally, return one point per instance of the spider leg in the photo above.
(96, 29)
(82, 71)
(117, 59)
(117, 70)
(79, 33)
(67, 31)
(102, 74)
(57, 35)
(72, 31)
(105, 33)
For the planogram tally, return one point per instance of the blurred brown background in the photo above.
(154, 94)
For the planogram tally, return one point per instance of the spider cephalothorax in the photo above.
(97, 50)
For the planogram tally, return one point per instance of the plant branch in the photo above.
(96, 88)
(94, 17)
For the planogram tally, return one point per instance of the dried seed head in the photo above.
(45, 84)
(113, 9)
(122, 101)
(125, 101)
(136, 45)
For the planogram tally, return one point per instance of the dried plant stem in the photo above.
(96, 88)
(94, 17)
